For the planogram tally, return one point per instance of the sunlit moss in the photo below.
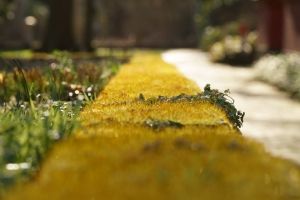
(184, 112)
(21, 54)
(147, 75)
(115, 155)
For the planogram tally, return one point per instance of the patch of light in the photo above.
(17, 166)
(30, 21)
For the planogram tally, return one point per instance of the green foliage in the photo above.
(227, 44)
(39, 106)
(27, 133)
(235, 49)
(214, 34)
(210, 36)
(220, 99)
(206, 7)
(63, 80)
(6, 6)
(224, 101)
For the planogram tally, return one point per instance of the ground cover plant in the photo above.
(235, 49)
(40, 105)
(138, 145)
(213, 34)
(228, 44)
(282, 71)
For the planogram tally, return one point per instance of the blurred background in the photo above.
(87, 24)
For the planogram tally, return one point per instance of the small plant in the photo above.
(224, 101)
(62, 80)
(220, 99)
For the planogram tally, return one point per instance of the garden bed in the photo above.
(27, 59)
(40, 100)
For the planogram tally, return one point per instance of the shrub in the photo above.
(210, 36)
(234, 49)
(213, 34)
(281, 70)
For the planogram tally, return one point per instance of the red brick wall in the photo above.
(292, 26)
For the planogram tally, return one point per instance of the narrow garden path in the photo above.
(136, 145)
(271, 116)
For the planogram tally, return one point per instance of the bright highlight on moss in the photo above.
(130, 147)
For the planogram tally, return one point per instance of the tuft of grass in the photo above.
(27, 133)
(62, 80)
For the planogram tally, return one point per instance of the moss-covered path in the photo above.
(116, 156)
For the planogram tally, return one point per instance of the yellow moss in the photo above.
(183, 112)
(115, 156)
(149, 76)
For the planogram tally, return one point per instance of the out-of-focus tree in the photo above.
(62, 24)
(206, 7)
(12, 14)
(149, 23)
(59, 33)
(217, 19)
(4, 7)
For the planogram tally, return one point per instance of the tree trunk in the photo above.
(89, 25)
(60, 27)
(83, 22)
(16, 30)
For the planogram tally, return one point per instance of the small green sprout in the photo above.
(224, 101)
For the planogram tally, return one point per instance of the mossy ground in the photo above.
(115, 155)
